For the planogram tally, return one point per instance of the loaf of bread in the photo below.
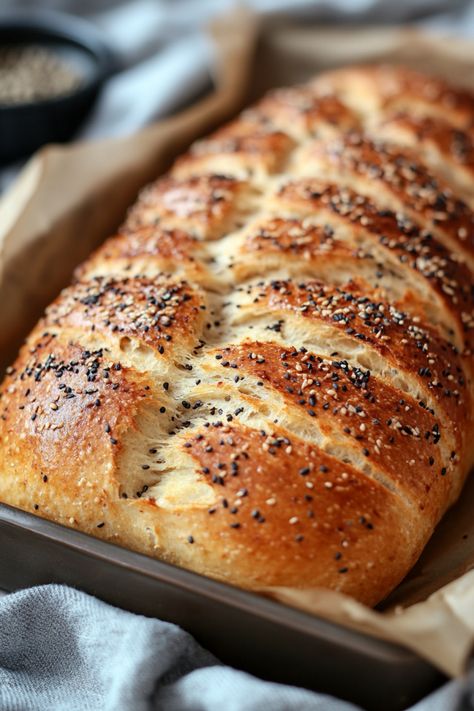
(266, 376)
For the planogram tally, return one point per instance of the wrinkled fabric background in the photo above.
(62, 650)
(162, 44)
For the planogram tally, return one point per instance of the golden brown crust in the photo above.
(455, 145)
(366, 321)
(291, 241)
(147, 251)
(291, 237)
(389, 88)
(352, 239)
(392, 232)
(242, 149)
(72, 406)
(266, 376)
(355, 411)
(162, 314)
(395, 176)
(449, 151)
(275, 518)
(301, 113)
(206, 206)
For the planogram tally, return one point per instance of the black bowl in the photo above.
(27, 126)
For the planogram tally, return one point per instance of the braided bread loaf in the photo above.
(266, 377)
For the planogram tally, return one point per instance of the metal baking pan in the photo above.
(242, 629)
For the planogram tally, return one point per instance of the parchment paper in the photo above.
(68, 199)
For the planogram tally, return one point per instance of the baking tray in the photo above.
(242, 629)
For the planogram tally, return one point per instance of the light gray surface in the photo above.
(60, 649)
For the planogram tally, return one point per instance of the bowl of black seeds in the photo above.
(52, 67)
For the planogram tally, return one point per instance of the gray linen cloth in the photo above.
(62, 650)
